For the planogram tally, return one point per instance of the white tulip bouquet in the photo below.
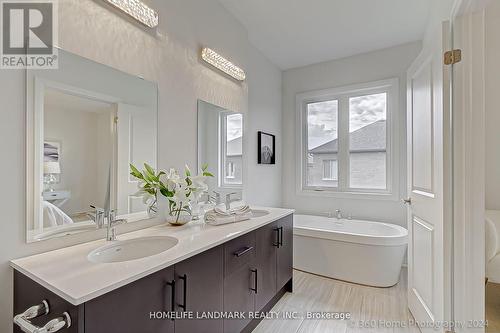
(180, 192)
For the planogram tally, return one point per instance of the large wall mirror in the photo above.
(220, 145)
(86, 123)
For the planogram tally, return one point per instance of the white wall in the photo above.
(492, 106)
(77, 131)
(383, 64)
(170, 58)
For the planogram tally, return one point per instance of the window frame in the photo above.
(223, 151)
(342, 94)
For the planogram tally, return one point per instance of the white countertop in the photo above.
(69, 274)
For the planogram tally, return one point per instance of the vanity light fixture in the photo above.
(221, 63)
(138, 10)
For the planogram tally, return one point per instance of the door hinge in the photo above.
(115, 120)
(452, 57)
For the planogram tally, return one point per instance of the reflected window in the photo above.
(232, 149)
(230, 170)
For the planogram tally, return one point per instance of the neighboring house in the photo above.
(233, 174)
(367, 159)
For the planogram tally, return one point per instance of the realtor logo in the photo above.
(29, 32)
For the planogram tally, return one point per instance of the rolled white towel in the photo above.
(238, 210)
(219, 217)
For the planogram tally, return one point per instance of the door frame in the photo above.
(467, 174)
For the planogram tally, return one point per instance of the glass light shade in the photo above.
(221, 63)
(138, 10)
(51, 168)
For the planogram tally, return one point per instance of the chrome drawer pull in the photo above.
(239, 253)
(23, 320)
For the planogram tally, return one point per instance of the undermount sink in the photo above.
(259, 213)
(132, 249)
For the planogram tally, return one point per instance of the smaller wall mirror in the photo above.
(220, 145)
(86, 124)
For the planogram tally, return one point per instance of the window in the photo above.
(230, 170)
(347, 138)
(330, 170)
(322, 119)
(231, 150)
(367, 141)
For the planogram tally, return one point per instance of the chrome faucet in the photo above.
(97, 216)
(217, 199)
(338, 214)
(112, 223)
(229, 200)
(100, 216)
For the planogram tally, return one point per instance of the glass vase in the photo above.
(179, 216)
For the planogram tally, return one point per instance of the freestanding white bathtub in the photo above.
(364, 252)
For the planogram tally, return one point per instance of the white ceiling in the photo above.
(295, 33)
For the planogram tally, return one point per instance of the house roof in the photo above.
(366, 139)
(235, 147)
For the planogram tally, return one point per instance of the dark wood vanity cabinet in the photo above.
(285, 251)
(266, 264)
(28, 293)
(199, 289)
(127, 309)
(247, 274)
(258, 267)
(239, 280)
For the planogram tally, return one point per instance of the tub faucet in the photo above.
(338, 214)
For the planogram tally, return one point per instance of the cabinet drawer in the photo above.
(239, 252)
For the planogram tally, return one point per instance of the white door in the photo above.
(426, 130)
(136, 142)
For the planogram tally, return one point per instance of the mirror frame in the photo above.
(35, 87)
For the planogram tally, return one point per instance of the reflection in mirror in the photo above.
(77, 145)
(220, 145)
(86, 123)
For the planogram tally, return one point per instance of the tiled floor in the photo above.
(373, 307)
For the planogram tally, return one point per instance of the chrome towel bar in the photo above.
(23, 320)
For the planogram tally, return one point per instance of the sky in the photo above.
(234, 126)
(322, 117)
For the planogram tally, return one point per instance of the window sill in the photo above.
(386, 196)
